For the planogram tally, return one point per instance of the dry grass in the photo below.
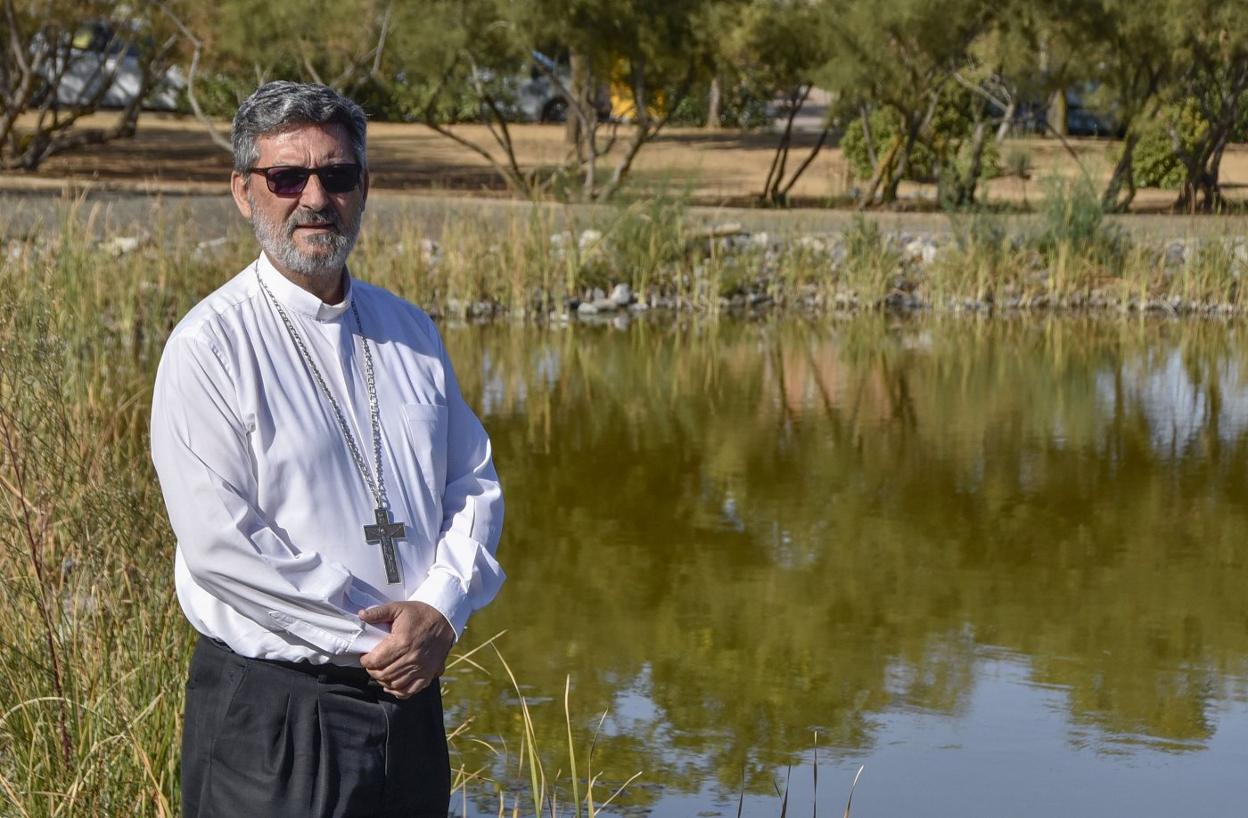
(173, 153)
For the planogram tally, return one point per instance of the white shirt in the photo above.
(265, 499)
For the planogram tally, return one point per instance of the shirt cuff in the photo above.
(445, 593)
(331, 643)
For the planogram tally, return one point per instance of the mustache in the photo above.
(305, 217)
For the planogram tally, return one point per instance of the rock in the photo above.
(589, 240)
(430, 252)
(209, 247)
(621, 295)
(1177, 252)
(121, 245)
(921, 249)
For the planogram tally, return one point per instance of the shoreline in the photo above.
(549, 264)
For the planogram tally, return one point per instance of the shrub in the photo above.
(1073, 219)
(947, 142)
(1017, 163)
(1155, 163)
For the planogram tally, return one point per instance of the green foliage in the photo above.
(741, 105)
(945, 143)
(1017, 164)
(1072, 221)
(1155, 163)
(884, 125)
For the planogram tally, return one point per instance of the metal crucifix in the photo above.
(385, 533)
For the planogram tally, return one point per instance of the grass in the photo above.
(545, 260)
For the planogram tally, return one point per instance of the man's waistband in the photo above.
(336, 674)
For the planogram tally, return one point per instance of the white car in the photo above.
(95, 57)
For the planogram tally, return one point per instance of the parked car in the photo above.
(97, 55)
(535, 97)
(1085, 122)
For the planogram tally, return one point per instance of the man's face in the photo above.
(310, 233)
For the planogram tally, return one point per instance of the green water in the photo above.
(1002, 563)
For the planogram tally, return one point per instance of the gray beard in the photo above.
(330, 251)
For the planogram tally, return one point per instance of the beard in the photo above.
(329, 250)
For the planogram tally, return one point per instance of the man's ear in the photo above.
(238, 187)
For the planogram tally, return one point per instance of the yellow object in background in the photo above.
(623, 103)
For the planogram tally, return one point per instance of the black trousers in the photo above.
(276, 739)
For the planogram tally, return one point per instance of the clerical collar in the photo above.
(297, 298)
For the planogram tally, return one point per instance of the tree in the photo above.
(58, 61)
(1119, 50)
(649, 53)
(1211, 54)
(780, 46)
(237, 45)
(898, 56)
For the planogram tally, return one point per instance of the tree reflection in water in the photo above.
(757, 529)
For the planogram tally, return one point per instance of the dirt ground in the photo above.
(173, 154)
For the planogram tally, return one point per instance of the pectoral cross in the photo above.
(385, 533)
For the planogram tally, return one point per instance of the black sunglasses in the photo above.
(290, 180)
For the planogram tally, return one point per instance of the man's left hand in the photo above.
(414, 654)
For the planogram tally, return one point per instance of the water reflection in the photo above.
(730, 535)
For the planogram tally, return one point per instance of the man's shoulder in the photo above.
(396, 307)
(205, 321)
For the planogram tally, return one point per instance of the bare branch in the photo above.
(810, 157)
(307, 63)
(197, 47)
(978, 88)
(643, 135)
(381, 39)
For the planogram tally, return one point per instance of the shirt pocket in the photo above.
(427, 431)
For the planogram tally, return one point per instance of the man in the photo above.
(334, 498)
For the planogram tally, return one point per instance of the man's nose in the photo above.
(314, 196)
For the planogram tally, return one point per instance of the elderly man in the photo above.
(333, 496)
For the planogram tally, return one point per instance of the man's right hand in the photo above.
(414, 654)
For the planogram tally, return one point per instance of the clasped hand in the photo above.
(414, 654)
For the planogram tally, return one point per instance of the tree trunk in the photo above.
(1007, 121)
(1058, 109)
(965, 186)
(1123, 176)
(579, 88)
(882, 174)
(713, 122)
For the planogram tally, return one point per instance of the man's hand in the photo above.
(414, 654)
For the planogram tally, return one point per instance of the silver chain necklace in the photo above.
(382, 532)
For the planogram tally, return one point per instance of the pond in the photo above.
(1002, 563)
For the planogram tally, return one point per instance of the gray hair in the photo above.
(279, 106)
